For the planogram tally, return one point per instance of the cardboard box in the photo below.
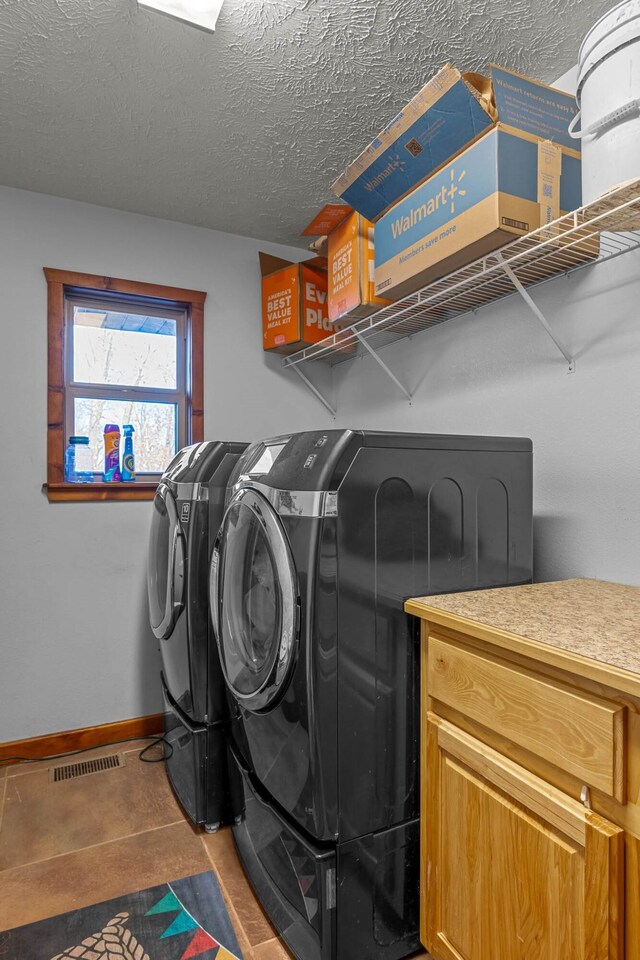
(294, 303)
(351, 271)
(503, 186)
(450, 112)
(327, 219)
(349, 249)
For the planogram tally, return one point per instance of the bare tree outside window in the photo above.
(130, 359)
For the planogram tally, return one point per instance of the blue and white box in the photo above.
(505, 185)
(451, 112)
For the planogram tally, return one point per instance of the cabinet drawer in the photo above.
(576, 731)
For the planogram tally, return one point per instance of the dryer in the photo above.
(324, 537)
(187, 512)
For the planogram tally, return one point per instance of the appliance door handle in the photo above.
(214, 586)
(175, 567)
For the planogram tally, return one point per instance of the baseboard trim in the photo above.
(45, 746)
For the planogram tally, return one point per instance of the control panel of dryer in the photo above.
(302, 461)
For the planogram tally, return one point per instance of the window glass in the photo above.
(154, 439)
(130, 349)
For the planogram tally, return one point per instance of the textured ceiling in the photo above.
(243, 130)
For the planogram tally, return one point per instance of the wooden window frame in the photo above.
(61, 282)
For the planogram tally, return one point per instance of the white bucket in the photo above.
(609, 100)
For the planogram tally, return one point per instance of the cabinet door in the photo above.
(512, 869)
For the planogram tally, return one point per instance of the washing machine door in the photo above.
(165, 567)
(254, 601)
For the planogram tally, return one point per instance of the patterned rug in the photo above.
(175, 921)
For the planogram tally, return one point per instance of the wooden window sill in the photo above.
(138, 490)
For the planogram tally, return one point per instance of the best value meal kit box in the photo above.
(294, 303)
(451, 111)
(327, 219)
(505, 185)
(331, 215)
(350, 269)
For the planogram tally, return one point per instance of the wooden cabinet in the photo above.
(530, 812)
(516, 869)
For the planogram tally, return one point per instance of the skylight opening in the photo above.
(199, 13)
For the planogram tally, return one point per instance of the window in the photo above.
(125, 363)
(122, 352)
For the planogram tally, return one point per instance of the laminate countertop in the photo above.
(592, 620)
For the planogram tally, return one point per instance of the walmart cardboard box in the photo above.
(295, 311)
(503, 186)
(450, 112)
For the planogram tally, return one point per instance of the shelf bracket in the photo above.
(323, 400)
(538, 314)
(386, 369)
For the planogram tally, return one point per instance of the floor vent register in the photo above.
(70, 771)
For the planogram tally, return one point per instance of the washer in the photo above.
(324, 536)
(187, 512)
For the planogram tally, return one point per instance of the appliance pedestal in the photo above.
(197, 764)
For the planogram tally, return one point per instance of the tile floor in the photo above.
(50, 834)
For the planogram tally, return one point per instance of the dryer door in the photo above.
(254, 601)
(165, 566)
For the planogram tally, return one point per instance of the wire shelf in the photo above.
(598, 231)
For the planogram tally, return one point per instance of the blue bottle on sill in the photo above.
(70, 462)
(128, 459)
(78, 467)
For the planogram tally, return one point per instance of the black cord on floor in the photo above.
(165, 755)
(111, 743)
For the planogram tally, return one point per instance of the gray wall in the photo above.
(76, 648)
(497, 372)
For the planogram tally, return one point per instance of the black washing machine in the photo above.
(324, 537)
(187, 511)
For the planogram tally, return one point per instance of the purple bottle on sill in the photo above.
(112, 453)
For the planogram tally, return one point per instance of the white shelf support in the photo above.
(386, 369)
(323, 400)
(538, 314)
